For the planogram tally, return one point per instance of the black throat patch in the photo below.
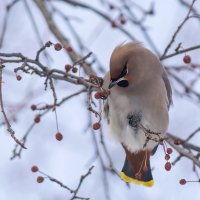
(134, 118)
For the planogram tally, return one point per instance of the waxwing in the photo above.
(136, 109)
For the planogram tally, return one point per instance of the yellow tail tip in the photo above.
(132, 180)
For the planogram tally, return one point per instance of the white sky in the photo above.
(68, 160)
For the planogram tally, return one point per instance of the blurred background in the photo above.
(96, 26)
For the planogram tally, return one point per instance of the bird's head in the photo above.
(129, 64)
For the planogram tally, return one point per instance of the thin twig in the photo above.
(73, 191)
(81, 181)
(9, 128)
(178, 30)
(164, 57)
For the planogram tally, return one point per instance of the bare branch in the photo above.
(178, 30)
(9, 128)
(55, 30)
(164, 57)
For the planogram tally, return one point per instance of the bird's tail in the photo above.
(137, 169)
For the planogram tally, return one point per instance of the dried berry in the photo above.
(182, 181)
(168, 166)
(37, 119)
(33, 107)
(40, 179)
(34, 169)
(169, 150)
(68, 67)
(187, 59)
(74, 69)
(59, 136)
(57, 46)
(18, 77)
(96, 126)
(167, 157)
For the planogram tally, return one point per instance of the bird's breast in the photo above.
(126, 112)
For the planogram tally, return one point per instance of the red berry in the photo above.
(33, 107)
(74, 69)
(169, 150)
(114, 25)
(34, 169)
(167, 157)
(101, 94)
(37, 119)
(138, 176)
(97, 95)
(40, 179)
(68, 67)
(96, 126)
(59, 136)
(182, 181)
(145, 168)
(18, 77)
(187, 59)
(177, 142)
(168, 166)
(69, 49)
(57, 46)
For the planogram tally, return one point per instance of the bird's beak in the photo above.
(113, 83)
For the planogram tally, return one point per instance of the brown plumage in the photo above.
(140, 95)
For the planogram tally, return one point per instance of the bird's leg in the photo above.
(134, 119)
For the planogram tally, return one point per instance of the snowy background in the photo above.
(69, 159)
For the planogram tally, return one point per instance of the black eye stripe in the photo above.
(122, 74)
(123, 83)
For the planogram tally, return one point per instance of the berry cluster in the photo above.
(168, 151)
(35, 169)
(58, 47)
(101, 94)
(70, 67)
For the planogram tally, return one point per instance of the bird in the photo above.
(137, 107)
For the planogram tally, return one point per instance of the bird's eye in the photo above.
(123, 83)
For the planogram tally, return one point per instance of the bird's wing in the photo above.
(168, 88)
